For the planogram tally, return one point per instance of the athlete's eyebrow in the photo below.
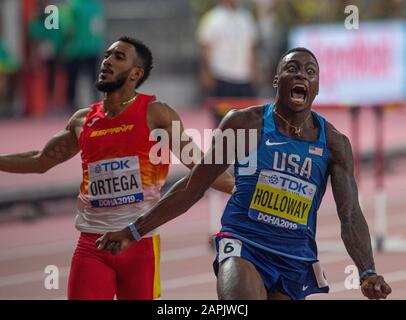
(121, 53)
(292, 61)
(111, 51)
(297, 62)
(311, 63)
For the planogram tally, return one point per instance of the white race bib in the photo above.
(115, 182)
(229, 248)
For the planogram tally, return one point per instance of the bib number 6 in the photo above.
(229, 248)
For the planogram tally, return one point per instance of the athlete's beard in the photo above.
(111, 86)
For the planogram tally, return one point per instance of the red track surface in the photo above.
(26, 248)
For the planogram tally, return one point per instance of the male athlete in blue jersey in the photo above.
(266, 248)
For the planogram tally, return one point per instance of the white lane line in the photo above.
(37, 250)
(186, 253)
(333, 230)
(68, 246)
(187, 281)
(22, 278)
(323, 232)
(205, 278)
(172, 255)
(166, 256)
(174, 229)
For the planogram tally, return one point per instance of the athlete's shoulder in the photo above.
(246, 118)
(79, 117)
(338, 143)
(81, 113)
(157, 105)
(160, 115)
(334, 136)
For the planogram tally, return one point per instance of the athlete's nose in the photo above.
(107, 61)
(301, 74)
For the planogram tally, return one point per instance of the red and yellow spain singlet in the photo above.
(119, 180)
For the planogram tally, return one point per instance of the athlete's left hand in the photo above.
(374, 287)
(115, 242)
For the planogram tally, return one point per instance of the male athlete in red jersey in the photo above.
(119, 180)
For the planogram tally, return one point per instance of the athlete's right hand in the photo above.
(115, 242)
(374, 287)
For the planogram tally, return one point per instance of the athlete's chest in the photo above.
(303, 159)
(101, 137)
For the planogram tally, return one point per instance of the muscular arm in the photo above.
(161, 116)
(58, 149)
(354, 228)
(192, 187)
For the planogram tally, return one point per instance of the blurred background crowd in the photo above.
(51, 71)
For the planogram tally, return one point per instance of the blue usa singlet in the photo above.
(275, 203)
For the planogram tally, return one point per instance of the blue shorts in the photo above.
(294, 278)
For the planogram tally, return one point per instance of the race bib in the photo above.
(115, 182)
(229, 248)
(281, 200)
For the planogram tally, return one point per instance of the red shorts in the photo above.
(98, 275)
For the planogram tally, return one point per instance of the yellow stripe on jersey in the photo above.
(156, 241)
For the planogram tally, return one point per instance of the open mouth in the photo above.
(105, 71)
(298, 93)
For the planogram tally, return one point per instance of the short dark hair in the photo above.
(297, 49)
(145, 55)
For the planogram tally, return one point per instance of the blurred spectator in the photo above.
(47, 47)
(227, 36)
(83, 22)
(8, 71)
(271, 39)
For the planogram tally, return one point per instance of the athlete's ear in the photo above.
(275, 82)
(136, 74)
